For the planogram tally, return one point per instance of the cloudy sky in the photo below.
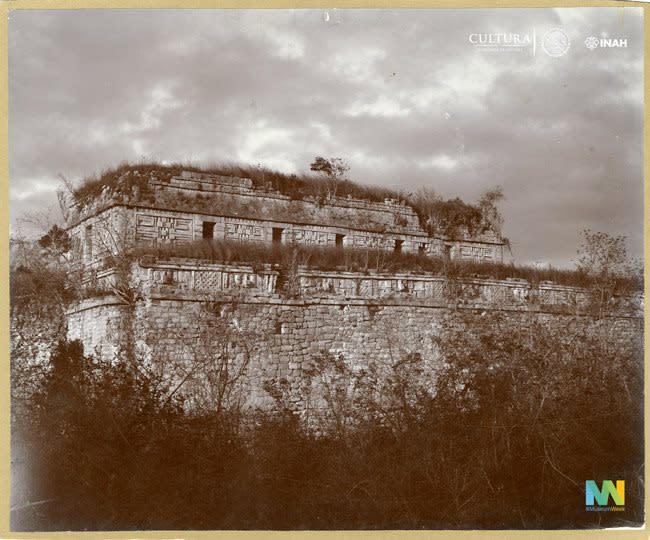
(403, 96)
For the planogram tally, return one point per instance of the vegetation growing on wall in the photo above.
(603, 258)
(387, 448)
(295, 186)
(364, 260)
(451, 218)
(122, 454)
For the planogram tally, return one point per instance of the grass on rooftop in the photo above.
(452, 215)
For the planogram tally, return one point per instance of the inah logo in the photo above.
(555, 42)
(596, 499)
(592, 42)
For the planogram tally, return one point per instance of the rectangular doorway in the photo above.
(208, 230)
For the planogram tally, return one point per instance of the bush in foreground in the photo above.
(525, 411)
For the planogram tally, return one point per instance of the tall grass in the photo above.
(295, 186)
(452, 215)
(357, 260)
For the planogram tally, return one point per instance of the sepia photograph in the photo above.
(326, 269)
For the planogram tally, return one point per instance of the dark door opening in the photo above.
(208, 230)
(398, 246)
(339, 240)
(422, 249)
(277, 235)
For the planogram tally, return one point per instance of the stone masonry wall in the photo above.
(285, 338)
(98, 323)
(238, 322)
(194, 278)
(281, 338)
(120, 226)
(269, 204)
(185, 208)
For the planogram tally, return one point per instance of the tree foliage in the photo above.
(492, 219)
(87, 435)
(453, 217)
(537, 437)
(56, 241)
(602, 255)
(604, 259)
(334, 167)
(502, 442)
(521, 409)
(335, 170)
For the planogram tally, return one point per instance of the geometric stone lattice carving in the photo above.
(207, 281)
(163, 229)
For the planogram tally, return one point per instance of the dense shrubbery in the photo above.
(525, 411)
(40, 290)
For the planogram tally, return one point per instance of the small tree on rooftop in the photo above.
(492, 218)
(427, 203)
(334, 168)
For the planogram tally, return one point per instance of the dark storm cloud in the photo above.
(402, 95)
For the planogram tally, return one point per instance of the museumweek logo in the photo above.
(596, 499)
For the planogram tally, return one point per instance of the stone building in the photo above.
(194, 206)
(192, 319)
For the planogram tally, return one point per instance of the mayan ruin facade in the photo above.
(268, 323)
(194, 206)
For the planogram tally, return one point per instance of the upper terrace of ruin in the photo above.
(278, 198)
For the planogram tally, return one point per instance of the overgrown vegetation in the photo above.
(604, 260)
(364, 260)
(41, 287)
(451, 218)
(295, 186)
(506, 442)
(518, 411)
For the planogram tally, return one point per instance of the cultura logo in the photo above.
(591, 43)
(596, 500)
